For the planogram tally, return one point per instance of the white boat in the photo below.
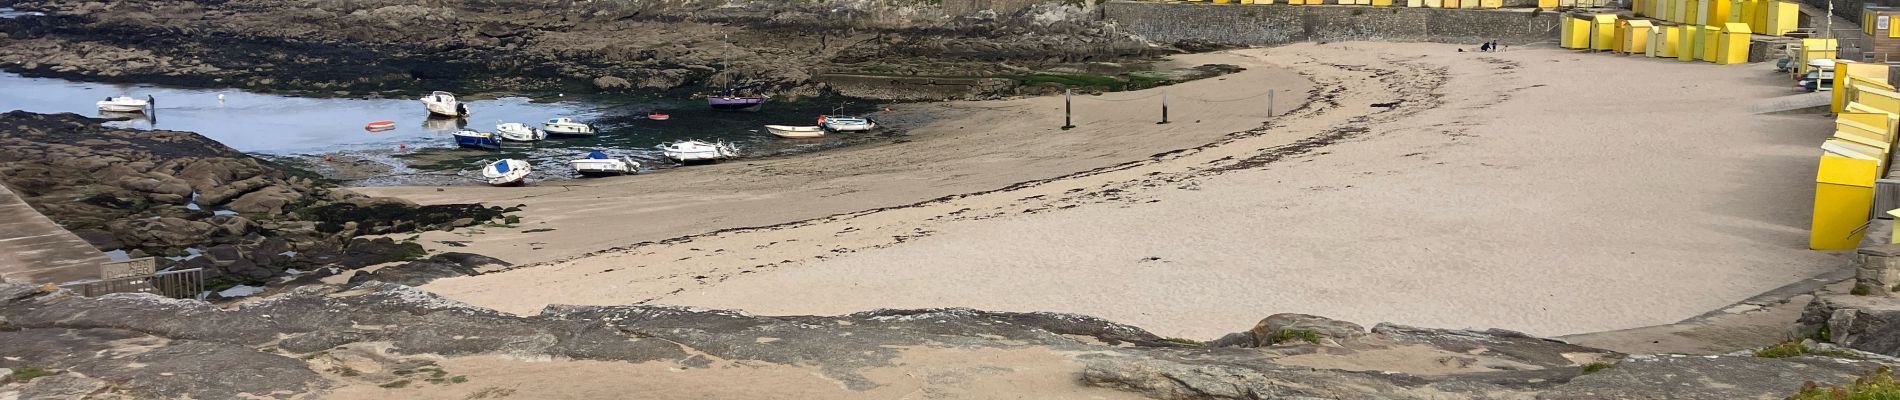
(565, 126)
(795, 132)
(600, 164)
(519, 132)
(443, 103)
(848, 124)
(125, 104)
(507, 172)
(687, 151)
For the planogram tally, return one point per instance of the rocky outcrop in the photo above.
(419, 272)
(1865, 323)
(178, 194)
(318, 338)
(393, 46)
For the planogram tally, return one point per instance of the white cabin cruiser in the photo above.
(600, 164)
(124, 104)
(565, 126)
(507, 172)
(690, 151)
(444, 104)
(519, 132)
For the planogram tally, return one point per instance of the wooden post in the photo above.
(1269, 102)
(1068, 107)
(1164, 106)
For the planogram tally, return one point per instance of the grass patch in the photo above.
(1285, 335)
(27, 374)
(1073, 80)
(1860, 290)
(1186, 341)
(396, 385)
(1795, 348)
(1875, 385)
(1592, 368)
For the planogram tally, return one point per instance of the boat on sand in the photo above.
(692, 151)
(795, 132)
(846, 124)
(507, 172)
(597, 163)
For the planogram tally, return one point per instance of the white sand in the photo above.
(1535, 197)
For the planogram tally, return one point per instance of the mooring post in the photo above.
(1068, 107)
(1164, 107)
(1269, 102)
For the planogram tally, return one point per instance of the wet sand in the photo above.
(1417, 185)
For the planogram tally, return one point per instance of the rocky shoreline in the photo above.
(195, 203)
(397, 48)
(380, 336)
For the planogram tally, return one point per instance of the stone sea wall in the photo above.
(1256, 25)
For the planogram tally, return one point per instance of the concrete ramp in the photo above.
(1792, 103)
(33, 249)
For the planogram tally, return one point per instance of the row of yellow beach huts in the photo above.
(1727, 44)
(1545, 4)
(1865, 105)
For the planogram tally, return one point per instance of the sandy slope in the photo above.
(1509, 190)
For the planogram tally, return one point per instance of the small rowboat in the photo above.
(694, 151)
(477, 140)
(600, 164)
(795, 132)
(520, 132)
(564, 126)
(659, 116)
(122, 104)
(380, 126)
(846, 124)
(507, 172)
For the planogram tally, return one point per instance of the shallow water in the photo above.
(9, 12)
(283, 125)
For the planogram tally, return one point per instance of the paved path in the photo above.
(34, 249)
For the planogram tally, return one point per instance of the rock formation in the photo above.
(398, 47)
(323, 338)
(169, 193)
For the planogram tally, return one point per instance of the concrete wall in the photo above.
(1277, 24)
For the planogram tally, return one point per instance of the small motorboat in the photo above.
(795, 132)
(691, 151)
(444, 104)
(507, 172)
(658, 116)
(565, 126)
(477, 140)
(846, 124)
(519, 132)
(600, 164)
(123, 104)
(379, 126)
(735, 103)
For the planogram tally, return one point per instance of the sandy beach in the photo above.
(1407, 183)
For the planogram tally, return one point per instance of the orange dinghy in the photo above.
(382, 125)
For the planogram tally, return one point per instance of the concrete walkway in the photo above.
(34, 249)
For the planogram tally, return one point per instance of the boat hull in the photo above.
(735, 103)
(478, 142)
(592, 167)
(515, 175)
(121, 108)
(798, 132)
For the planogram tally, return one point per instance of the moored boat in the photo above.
(507, 172)
(519, 132)
(735, 103)
(846, 124)
(123, 104)
(795, 132)
(379, 126)
(597, 163)
(691, 151)
(564, 126)
(658, 116)
(444, 104)
(477, 140)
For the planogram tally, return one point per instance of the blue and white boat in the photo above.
(507, 172)
(477, 140)
(597, 163)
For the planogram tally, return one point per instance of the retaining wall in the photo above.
(1238, 24)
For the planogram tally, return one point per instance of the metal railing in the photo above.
(180, 284)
